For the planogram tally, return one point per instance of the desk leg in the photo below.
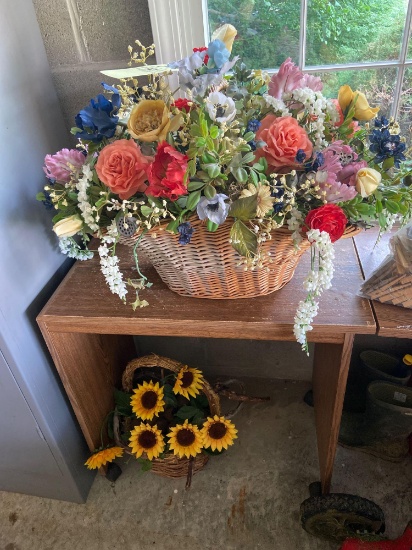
(330, 373)
(89, 365)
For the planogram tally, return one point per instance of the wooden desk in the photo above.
(89, 335)
(392, 321)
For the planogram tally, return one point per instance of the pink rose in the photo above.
(284, 138)
(123, 168)
(289, 78)
(63, 164)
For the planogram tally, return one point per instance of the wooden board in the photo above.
(83, 303)
(393, 321)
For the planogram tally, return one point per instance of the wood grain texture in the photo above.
(392, 321)
(83, 303)
(330, 373)
(90, 365)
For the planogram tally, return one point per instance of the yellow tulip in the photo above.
(68, 226)
(367, 181)
(226, 33)
(348, 98)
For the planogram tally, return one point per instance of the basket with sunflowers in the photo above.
(168, 417)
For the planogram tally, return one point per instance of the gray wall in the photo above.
(83, 37)
(42, 448)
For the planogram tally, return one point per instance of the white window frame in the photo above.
(180, 25)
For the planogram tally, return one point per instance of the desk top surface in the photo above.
(83, 303)
(392, 321)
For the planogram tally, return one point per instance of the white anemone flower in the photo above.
(220, 107)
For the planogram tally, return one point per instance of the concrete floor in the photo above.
(246, 499)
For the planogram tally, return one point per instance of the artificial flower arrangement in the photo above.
(263, 152)
(170, 411)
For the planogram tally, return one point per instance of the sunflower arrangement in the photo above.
(262, 151)
(165, 415)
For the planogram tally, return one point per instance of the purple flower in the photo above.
(215, 210)
(185, 232)
(63, 164)
(253, 125)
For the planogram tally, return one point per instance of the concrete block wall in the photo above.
(83, 37)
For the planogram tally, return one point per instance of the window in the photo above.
(363, 43)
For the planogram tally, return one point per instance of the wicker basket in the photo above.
(209, 267)
(170, 466)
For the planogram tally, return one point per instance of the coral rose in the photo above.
(167, 172)
(284, 138)
(122, 167)
(329, 218)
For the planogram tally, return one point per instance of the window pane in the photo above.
(377, 84)
(405, 107)
(268, 30)
(350, 31)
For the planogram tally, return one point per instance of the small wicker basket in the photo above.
(209, 267)
(170, 466)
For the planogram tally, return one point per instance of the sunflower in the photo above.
(218, 433)
(100, 458)
(264, 198)
(147, 400)
(185, 440)
(146, 439)
(188, 382)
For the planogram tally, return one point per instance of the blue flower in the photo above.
(47, 201)
(252, 145)
(216, 210)
(314, 166)
(97, 120)
(253, 125)
(300, 156)
(185, 232)
(218, 54)
(381, 122)
(386, 145)
(278, 193)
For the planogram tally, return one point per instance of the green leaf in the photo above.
(169, 396)
(214, 132)
(209, 191)
(75, 130)
(181, 201)
(249, 136)
(249, 157)
(40, 197)
(188, 412)
(145, 464)
(240, 175)
(193, 199)
(122, 401)
(191, 165)
(243, 239)
(392, 206)
(211, 226)
(254, 177)
(195, 185)
(146, 211)
(204, 129)
(244, 208)
(172, 226)
(213, 170)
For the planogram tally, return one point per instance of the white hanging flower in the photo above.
(109, 263)
(315, 283)
(84, 206)
(220, 108)
(69, 247)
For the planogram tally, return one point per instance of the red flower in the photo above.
(183, 104)
(202, 49)
(166, 173)
(329, 218)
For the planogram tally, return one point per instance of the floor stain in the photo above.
(237, 512)
(169, 501)
(13, 518)
(11, 546)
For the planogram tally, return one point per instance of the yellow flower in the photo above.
(146, 439)
(348, 98)
(185, 440)
(103, 457)
(68, 226)
(407, 359)
(367, 181)
(218, 433)
(189, 382)
(147, 400)
(226, 33)
(150, 120)
(264, 200)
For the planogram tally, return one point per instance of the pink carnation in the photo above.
(289, 78)
(63, 164)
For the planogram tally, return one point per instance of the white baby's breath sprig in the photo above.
(315, 283)
(73, 250)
